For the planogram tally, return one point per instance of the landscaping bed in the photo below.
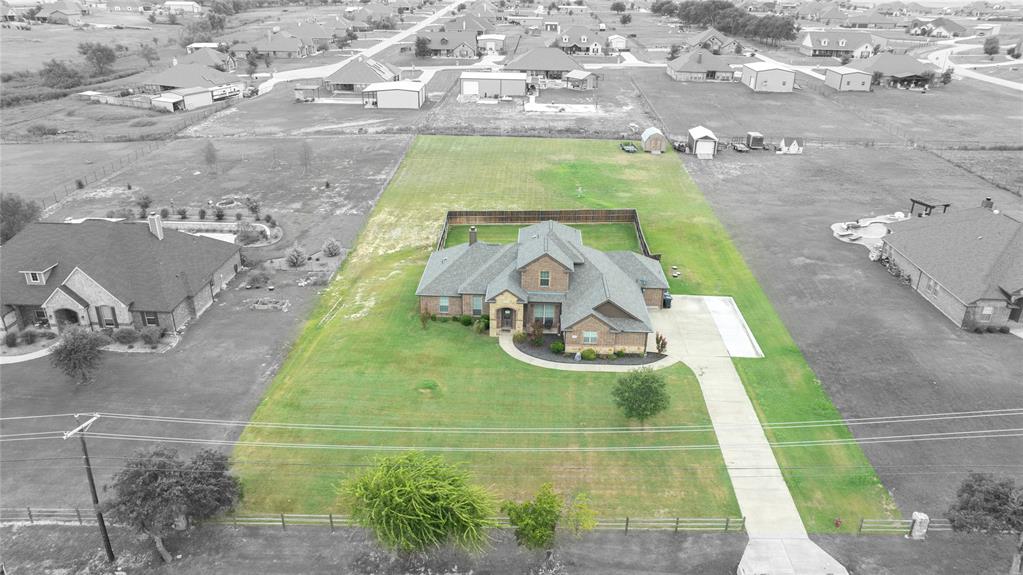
(545, 352)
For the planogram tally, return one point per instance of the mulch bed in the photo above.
(544, 352)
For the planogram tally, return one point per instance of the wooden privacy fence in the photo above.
(899, 526)
(284, 521)
(511, 217)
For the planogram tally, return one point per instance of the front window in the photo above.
(41, 316)
(986, 312)
(106, 316)
(33, 277)
(477, 305)
(150, 318)
(589, 337)
(442, 306)
(544, 312)
(545, 279)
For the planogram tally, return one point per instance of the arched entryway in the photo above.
(506, 318)
(66, 317)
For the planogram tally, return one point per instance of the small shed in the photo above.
(846, 79)
(767, 77)
(307, 92)
(403, 94)
(790, 145)
(702, 142)
(581, 80)
(754, 140)
(654, 141)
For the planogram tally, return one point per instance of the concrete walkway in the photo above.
(505, 340)
(778, 540)
(9, 359)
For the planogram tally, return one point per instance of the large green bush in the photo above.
(589, 354)
(151, 334)
(558, 347)
(125, 335)
(11, 339)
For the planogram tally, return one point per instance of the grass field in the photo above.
(372, 364)
(607, 237)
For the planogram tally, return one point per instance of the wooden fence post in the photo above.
(676, 526)
(728, 521)
(30, 520)
(626, 525)
(283, 528)
(860, 532)
(79, 514)
(330, 516)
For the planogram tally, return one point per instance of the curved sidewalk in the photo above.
(10, 359)
(508, 346)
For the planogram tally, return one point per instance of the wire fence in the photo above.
(98, 173)
(284, 521)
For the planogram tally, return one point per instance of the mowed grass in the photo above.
(372, 363)
(607, 237)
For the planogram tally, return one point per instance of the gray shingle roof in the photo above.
(597, 277)
(543, 60)
(973, 253)
(124, 257)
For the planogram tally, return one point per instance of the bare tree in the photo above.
(305, 156)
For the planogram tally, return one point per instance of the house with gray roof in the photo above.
(101, 273)
(359, 73)
(593, 299)
(966, 263)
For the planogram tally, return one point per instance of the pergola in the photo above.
(927, 205)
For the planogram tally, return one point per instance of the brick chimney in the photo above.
(988, 203)
(699, 57)
(155, 225)
(472, 235)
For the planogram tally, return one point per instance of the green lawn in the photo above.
(606, 237)
(372, 364)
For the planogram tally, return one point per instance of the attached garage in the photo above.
(702, 143)
(492, 84)
(404, 94)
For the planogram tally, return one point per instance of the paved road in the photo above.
(940, 58)
(328, 69)
(778, 540)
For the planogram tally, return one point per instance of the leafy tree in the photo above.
(413, 502)
(331, 248)
(78, 353)
(251, 61)
(984, 504)
(267, 60)
(946, 76)
(422, 47)
(149, 54)
(618, 7)
(535, 521)
(99, 56)
(305, 156)
(200, 30)
(296, 256)
(172, 19)
(641, 394)
(157, 492)
(209, 155)
(253, 206)
(674, 51)
(182, 213)
(59, 75)
(216, 21)
(143, 202)
(151, 18)
(991, 46)
(875, 78)
(625, 19)
(15, 214)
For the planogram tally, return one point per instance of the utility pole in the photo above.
(80, 432)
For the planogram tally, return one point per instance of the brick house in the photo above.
(967, 263)
(111, 274)
(593, 299)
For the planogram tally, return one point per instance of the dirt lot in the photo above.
(38, 549)
(878, 348)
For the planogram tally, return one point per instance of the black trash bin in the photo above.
(666, 302)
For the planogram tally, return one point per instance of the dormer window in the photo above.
(33, 278)
(545, 279)
(824, 42)
(584, 38)
(564, 39)
(841, 42)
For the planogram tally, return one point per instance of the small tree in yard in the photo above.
(219, 214)
(182, 213)
(641, 394)
(149, 54)
(331, 248)
(875, 78)
(296, 256)
(422, 47)
(414, 502)
(56, 74)
(209, 155)
(536, 522)
(202, 213)
(254, 206)
(536, 333)
(99, 56)
(618, 7)
(625, 19)
(991, 46)
(674, 52)
(424, 318)
(661, 342)
(946, 76)
(143, 202)
(305, 156)
(984, 504)
(78, 353)
(156, 492)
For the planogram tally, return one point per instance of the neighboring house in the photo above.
(182, 7)
(404, 94)
(544, 63)
(595, 300)
(469, 23)
(62, 16)
(492, 84)
(654, 141)
(846, 79)
(581, 80)
(359, 73)
(100, 274)
(896, 69)
(209, 57)
(191, 76)
(451, 44)
(836, 44)
(702, 143)
(790, 145)
(279, 45)
(967, 263)
(580, 40)
(711, 39)
(936, 28)
(700, 66)
(313, 34)
(870, 20)
(125, 5)
(768, 77)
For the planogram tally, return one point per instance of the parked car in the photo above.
(743, 148)
(628, 147)
(680, 146)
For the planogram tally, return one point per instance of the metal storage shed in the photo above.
(702, 142)
(654, 141)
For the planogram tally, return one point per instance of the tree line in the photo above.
(728, 19)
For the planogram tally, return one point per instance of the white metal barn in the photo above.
(492, 84)
(403, 94)
(846, 79)
(702, 142)
(767, 77)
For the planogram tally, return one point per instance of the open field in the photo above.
(607, 237)
(445, 375)
(1001, 167)
(877, 348)
(36, 171)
